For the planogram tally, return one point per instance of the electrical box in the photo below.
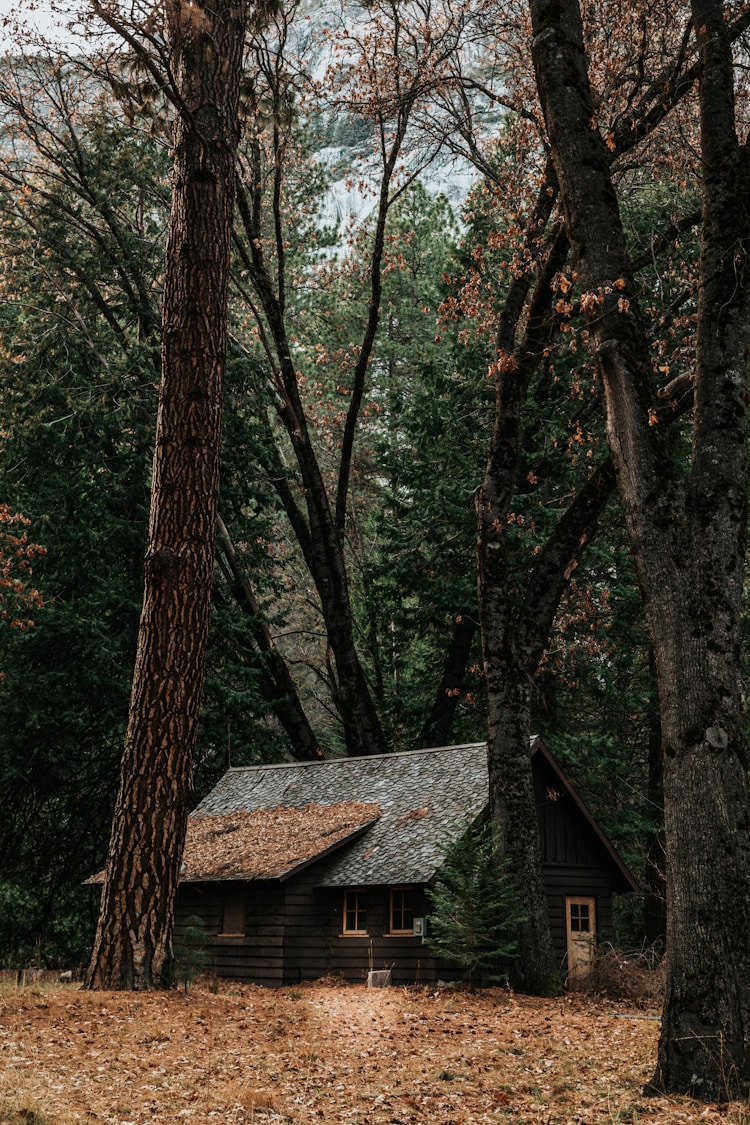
(420, 928)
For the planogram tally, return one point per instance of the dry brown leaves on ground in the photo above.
(329, 1053)
(265, 843)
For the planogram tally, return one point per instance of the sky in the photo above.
(35, 14)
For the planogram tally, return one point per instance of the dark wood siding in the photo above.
(408, 958)
(575, 860)
(258, 955)
(561, 881)
(293, 931)
(566, 836)
(306, 954)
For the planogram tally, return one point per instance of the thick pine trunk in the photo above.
(655, 902)
(133, 942)
(687, 537)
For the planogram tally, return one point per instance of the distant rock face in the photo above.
(351, 195)
(348, 142)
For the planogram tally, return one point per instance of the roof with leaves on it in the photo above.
(422, 796)
(269, 843)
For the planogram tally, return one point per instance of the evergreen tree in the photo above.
(475, 911)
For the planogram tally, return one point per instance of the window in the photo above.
(233, 910)
(402, 910)
(355, 912)
(580, 917)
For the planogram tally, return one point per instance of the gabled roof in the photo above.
(421, 794)
(423, 797)
(624, 880)
(269, 843)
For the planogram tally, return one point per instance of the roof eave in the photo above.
(629, 882)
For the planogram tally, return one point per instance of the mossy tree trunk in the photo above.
(687, 534)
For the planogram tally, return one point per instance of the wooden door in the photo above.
(580, 915)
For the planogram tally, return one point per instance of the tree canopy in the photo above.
(462, 451)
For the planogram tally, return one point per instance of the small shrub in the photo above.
(636, 977)
(190, 955)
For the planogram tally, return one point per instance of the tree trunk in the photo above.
(513, 641)
(276, 683)
(321, 533)
(687, 537)
(133, 942)
(437, 725)
(655, 902)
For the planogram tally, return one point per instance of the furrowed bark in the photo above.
(133, 944)
(512, 802)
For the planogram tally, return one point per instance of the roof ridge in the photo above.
(362, 758)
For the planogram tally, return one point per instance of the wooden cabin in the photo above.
(302, 870)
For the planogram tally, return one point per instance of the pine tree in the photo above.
(475, 908)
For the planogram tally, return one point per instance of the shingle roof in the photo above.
(422, 796)
(269, 843)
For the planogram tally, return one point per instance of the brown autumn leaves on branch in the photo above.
(18, 598)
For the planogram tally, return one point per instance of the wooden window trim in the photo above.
(360, 896)
(392, 931)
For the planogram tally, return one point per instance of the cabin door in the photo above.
(580, 913)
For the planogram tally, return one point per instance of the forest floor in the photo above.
(330, 1054)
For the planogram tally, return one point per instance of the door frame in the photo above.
(580, 942)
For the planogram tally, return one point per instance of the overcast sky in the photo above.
(37, 15)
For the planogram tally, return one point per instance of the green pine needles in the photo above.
(191, 955)
(475, 909)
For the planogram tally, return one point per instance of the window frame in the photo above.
(361, 907)
(403, 891)
(233, 909)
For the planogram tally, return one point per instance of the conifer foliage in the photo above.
(475, 908)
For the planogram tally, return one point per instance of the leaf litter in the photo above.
(330, 1053)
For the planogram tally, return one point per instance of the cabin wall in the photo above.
(293, 932)
(409, 959)
(305, 937)
(562, 881)
(257, 956)
(574, 859)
